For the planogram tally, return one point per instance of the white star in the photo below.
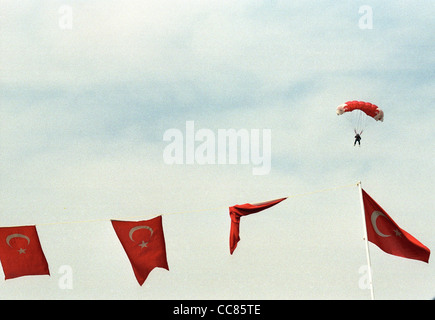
(22, 251)
(143, 244)
(397, 232)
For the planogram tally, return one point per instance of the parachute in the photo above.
(368, 108)
(359, 112)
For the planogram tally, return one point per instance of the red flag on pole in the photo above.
(243, 210)
(144, 243)
(388, 236)
(21, 252)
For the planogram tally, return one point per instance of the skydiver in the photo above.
(357, 138)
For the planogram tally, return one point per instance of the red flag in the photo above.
(243, 210)
(144, 243)
(388, 236)
(21, 253)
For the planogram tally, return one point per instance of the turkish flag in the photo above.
(144, 243)
(388, 236)
(21, 253)
(240, 210)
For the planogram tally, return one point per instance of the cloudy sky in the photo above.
(89, 88)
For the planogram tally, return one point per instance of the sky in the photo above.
(89, 88)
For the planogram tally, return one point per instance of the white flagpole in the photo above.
(369, 270)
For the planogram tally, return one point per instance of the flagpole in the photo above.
(369, 269)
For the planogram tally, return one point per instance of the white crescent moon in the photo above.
(373, 218)
(132, 230)
(16, 235)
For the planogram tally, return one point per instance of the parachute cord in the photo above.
(151, 215)
(323, 190)
(359, 121)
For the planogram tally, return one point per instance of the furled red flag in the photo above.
(21, 253)
(388, 236)
(144, 243)
(243, 210)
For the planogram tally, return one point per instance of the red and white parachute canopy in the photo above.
(368, 108)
